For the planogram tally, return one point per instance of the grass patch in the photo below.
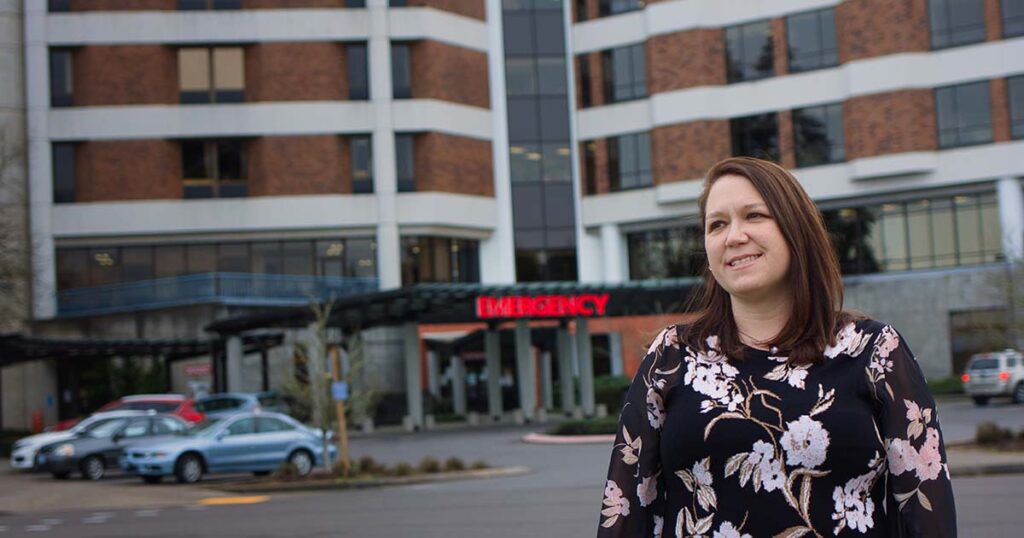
(946, 385)
(594, 426)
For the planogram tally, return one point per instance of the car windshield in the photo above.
(984, 364)
(205, 428)
(159, 407)
(106, 428)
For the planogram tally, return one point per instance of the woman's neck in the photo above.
(759, 323)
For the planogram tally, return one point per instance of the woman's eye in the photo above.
(715, 225)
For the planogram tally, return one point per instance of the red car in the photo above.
(175, 404)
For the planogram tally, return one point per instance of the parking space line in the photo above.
(52, 521)
(220, 501)
(37, 528)
(151, 512)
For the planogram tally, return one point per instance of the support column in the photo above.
(1011, 218)
(492, 349)
(546, 390)
(615, 352)
(385, 175)
(565, 375)
(525, 373)
(459, 385)
(612, 249)
(264, 369)
(413, 381)
(434, 373)
(233, 373)
(586, 358)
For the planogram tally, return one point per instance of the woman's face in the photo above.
(746, 252)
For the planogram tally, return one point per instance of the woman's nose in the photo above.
(736, 235)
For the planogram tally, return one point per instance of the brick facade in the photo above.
(291, 4)
(295, 72)
(127, 170)
(123, 5)
(687, 150)
(294, 165)
(994, 20)
(1000, 110)
(780, 50)
(447, 163)
(686, 59)
(886, 123)
(125, 75)
(600, 182)
(436, 67)
(787, 145)
(869, 28)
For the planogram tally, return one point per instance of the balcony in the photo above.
(235, 289)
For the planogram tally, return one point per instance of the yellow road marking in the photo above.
(251, 499)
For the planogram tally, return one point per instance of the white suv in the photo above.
(999, 373)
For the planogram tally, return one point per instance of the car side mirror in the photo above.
(117, 437)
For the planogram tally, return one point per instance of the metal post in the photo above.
(565, 377)
(413, 383)
(525, 372)
(586, 358)
(458, 385)
(492, 349)
(434, 373)
(546, 390)
(234, 364)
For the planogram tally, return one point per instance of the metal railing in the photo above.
(243, 289)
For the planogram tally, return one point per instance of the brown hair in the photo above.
(814, 276)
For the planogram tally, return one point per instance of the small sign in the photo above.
(202, 369)
(339, 391)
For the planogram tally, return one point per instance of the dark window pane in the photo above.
(193, 160)
(614, 7)
(667, 253)
(956, 22)
(1016, 97)
(232, 190)
(755, 136)
(518, 29)
(61, 88)
(629, 161)
(625, 73)
(362, 164)
(811, 40)
(401, 74)
(230, 161)
(233, 258)
(136, 263)
(63, 173)
(583, 66)
(818, 135)
(358, 75)
(188, 5)
(554, 116)
(360, 258)
(201, 258)
(551, 75)
(550, 32)
(398, 3)
(963, 114)
(104, 266)
(520, 76)
(355, 3)
(266, 258)
(57, 6)
(528, 206)
(1013, 18)
(558, 209)
(525, 163)
(198, 191)
(330, 258)
(72, 268)
(556, 162)
(298, 257)
(749, 53)
(169, 261)
(405, 158)
(227, 4)
(523, 119)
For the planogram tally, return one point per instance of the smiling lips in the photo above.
(737, 261)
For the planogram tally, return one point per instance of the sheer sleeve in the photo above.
(917, 471)
(634, 491)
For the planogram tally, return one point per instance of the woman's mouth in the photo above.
(739, 262)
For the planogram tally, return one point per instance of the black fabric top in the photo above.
(715, 447)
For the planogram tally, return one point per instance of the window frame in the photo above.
(361, 91)
(636, 87)
(211, 162)
(64, 56)
(958, 129)
(405, 147)
(730, 74)
(211, 94)
(361, 185)
(841, 143)
(405, 91)
(616, 171)
(1015, 107)
(63, 187)
(931, 7)
(739, 138)
(822, 51)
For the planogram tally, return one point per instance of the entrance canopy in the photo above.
(463, 303)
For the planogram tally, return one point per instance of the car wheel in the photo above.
(92, 468)
(189, 469)
(152, 479)
(302, 461)
(63, 475)
(260, 473)
(1018, 393)
(980, 400)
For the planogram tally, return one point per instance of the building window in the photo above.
(61, 86)
(63, 155)
(211, 75)
(358, 74)
(583, 67)
(964, 115)
(1015, 88)
(405, 162)
(398, 3)
(818, 135)
(581, 10)
(614, 7)
(214, 168)
(355, 3)
(439, 259)
(629, 161)
(625, 73)
(755, 136)
(1013, 18)
(926, 233)
(956, 22)
(590, 166)
(189, 5)
(666, 253)
(58, 6)
(361, 150)
(401, 72)
(811, 40)
(748, 52)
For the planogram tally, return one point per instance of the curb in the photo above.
(334, 484)
(546, 439)
(986, 469)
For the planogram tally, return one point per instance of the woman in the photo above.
(774, 412)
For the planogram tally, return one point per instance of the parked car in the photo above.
(161, 403)
(258, 442)
(229, 403)
(25, 450)
(96, 449)
(1000, 373)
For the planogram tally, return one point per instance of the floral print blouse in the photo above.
(717, 448)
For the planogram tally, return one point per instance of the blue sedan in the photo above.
(256, 442)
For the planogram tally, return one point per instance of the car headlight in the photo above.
(66, 450)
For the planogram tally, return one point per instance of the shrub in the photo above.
(479, 464)
(596, 426)
(989, 433)
(455, 464)
(443, 418)
(946, 385)
(402, 469)
(368, 465)
(287, 471)
(429, 465)
(610, 390)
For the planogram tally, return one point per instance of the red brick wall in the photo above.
(994, 20)
(887, 123)
(868, 28)
(1000, 110)
(295, 72)
(601, 181)
(291, 4)
(123, 5)
(686, 59)
(448, 163)
(125, 75)
(780, 59)
(127, 170)
(687, 150)
(291, 165)
(787, 150)
(593, 61)
(467, 8)
(449, 73)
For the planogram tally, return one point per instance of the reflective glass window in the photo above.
(361, 153)
(214, 168)
(63, 155)
(401, 71)
(405, 163)
(629, 161)
(1013, 18)
(242, 427)
(265, 257)
(233, 258)
(361, 257)
(811, 40)
(61, 81)
(614, 7)
(755, 136)
(356, 67)
(625, 73)
(136, 263)
(1015, 89)
(956, 22)
(298, 257)
(749, 51)
(964, 114)
(72, 268)
(818, 135)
